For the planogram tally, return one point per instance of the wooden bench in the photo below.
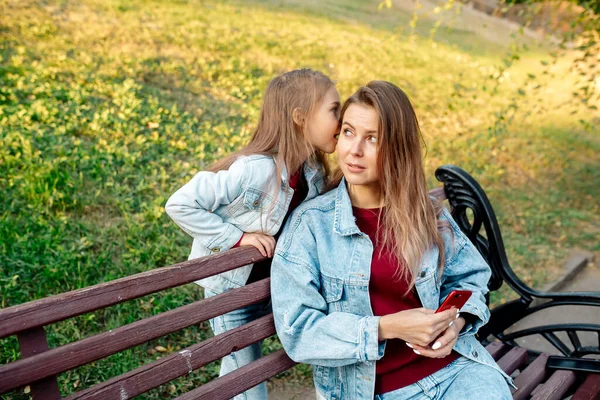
(39, 365)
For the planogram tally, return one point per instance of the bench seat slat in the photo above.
(497, 349)
(90, 349)
(556, 386)
(170, 367)
(532, 376)
(512, 360)
(590, 389)
(242, 379)
(66, 305)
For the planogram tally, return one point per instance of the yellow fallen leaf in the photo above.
(160, 349)
(27, 390)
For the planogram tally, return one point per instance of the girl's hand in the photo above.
(419, 326)
(443, 345)
(264, 243)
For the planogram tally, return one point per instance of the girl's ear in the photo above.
(298, 116)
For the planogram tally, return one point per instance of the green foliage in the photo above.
(107, 107)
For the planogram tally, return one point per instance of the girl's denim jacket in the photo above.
(215, 209)
(320, 291)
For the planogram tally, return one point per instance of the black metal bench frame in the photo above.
(473, 212)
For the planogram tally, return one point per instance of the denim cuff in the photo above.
(226, 240)
(472, 324)
(371, 348)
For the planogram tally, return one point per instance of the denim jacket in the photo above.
(215, 209)
(320, 291)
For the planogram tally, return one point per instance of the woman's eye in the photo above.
(372, 139)
(347, 132)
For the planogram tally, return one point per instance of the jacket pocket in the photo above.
(332, 291)
(253, 199)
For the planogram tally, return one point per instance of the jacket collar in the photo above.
(344, 222)
(313, 174)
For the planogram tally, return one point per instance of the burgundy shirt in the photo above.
(400, 366)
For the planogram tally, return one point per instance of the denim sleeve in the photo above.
(465, 269)
(307, 331)
(191, 206)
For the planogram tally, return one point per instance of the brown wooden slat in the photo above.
(512, 360)
(33, 342)
(59, 307)
(84, 351)
(149, 376)
(590, 389)
(556, 386)
(242, 379)
(532, 376)
(497, 349)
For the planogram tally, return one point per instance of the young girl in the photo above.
(244, 198)
(359, 272)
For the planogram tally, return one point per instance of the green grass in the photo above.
(84, 176)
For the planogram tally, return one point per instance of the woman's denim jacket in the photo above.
(320, 292)
(217, 208)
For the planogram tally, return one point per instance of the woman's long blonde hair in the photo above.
(411, 219)
(276, 133)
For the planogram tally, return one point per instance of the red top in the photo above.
(400, 366)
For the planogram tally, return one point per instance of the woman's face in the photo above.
(357, 145)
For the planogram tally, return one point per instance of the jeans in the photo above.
(462, 379)
(235, 360)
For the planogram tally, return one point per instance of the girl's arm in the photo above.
(191, 206)
(465, 269)
(308, 333)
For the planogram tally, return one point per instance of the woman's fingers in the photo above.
(445, 318)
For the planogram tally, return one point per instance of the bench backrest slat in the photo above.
(170, 367)
(102, 345)
(59, 307)
(242, 379)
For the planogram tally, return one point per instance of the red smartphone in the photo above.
(457, 298)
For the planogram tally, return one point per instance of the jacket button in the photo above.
(475, 354)
(256, 203)
(215, 249)
(422, 274)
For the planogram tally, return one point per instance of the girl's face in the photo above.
(357, 145)
(323, 124)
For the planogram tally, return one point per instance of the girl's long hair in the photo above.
(410, 221)
(276, 133)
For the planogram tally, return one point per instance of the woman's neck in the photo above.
(365, 196)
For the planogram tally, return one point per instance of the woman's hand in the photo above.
(443, 345)
(264, 243)
(419, 326)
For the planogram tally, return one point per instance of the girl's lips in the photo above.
(355, 167)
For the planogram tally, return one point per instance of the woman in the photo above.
(359, 272)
